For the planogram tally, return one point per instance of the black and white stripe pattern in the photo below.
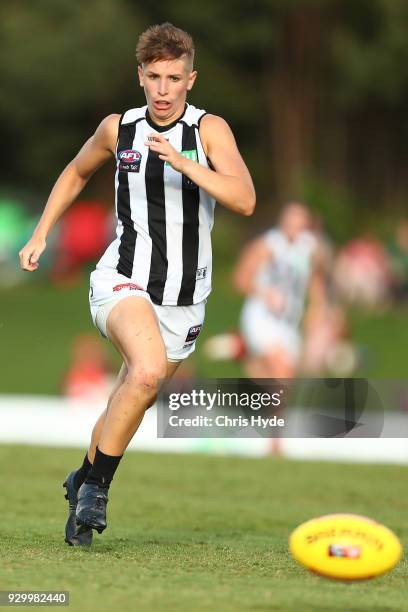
(128, 238)
(163, 239)
(191, 203)
(154, 176)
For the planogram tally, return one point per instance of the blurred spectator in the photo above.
(89, 377)
(398, 252)
(84, 231)
(362, 273)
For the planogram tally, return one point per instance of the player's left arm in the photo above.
(229, 182)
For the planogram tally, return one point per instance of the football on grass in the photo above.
(345, 547)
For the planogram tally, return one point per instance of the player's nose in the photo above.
(162, 91)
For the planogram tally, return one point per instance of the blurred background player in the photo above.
(292, 322)
(276, 272)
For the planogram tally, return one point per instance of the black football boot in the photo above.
(75, 535)
(91, 507)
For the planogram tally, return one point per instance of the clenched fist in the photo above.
(31, 252)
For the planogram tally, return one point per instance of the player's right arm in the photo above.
(253, 257)
(95, 152)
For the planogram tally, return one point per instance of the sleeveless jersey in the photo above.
(164, 220)
(289, 270)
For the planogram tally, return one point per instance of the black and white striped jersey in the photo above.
(163, 241)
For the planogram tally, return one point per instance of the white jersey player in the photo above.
(275, 272)
(148, 292)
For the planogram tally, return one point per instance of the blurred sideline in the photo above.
(55, 421)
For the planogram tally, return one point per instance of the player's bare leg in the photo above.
(98, 427)
(133, 329)
(280, 364)
(83, 535)
(276, 364)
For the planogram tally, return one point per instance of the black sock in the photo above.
(103, 469)
(82, 473)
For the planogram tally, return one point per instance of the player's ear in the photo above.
(140, 73)
(191, 79)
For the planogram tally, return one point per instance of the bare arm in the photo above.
(230, 182)
(253, 257)
(95, 152)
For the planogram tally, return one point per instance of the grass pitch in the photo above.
(193, 532)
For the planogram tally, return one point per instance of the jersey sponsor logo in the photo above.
(193, 155)
(201, 273)
(130, 286)
(129, 160)
(193, 333)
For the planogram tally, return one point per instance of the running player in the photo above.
(276, 272)
(149, 289)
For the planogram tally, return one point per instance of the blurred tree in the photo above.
(370, 89)
(63, 67)
(314, 90)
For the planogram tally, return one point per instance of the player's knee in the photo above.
(145, 380)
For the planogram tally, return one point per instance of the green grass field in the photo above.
(194, 533)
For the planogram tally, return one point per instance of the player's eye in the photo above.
(174, 78)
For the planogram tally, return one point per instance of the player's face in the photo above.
(166, 83)
(294, 221)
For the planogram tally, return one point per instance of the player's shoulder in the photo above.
(272, 236)
(213, 130)
(275, 241)
(193, 116)
(107, 132)
(214, 123)
(133, 114)
(108, 129)
(110, 123)
(308, 240)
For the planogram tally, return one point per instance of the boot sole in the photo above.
(82, 524)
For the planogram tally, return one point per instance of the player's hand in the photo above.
(274, 299)
(159, 144)
(31, 252)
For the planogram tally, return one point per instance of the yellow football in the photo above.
(345, 547)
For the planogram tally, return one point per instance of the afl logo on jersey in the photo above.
(129, 160)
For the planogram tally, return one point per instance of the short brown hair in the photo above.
(164, 42)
